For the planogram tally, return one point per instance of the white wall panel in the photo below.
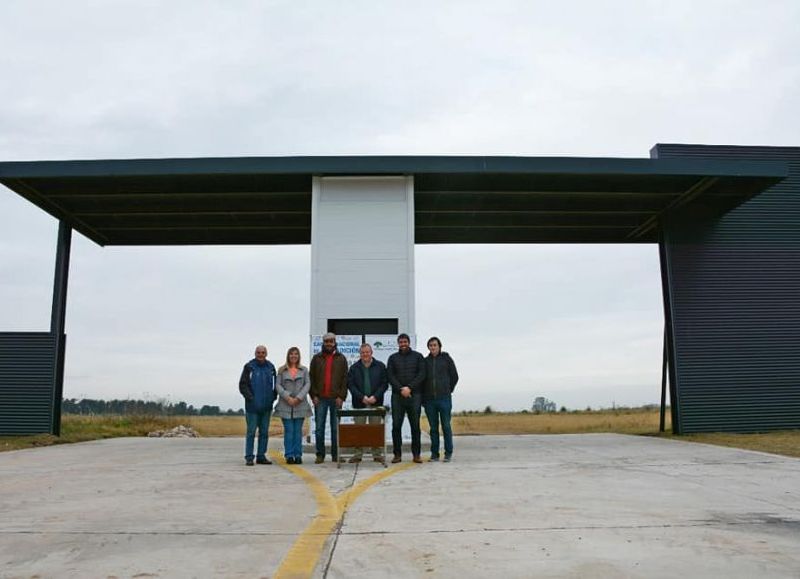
(362, 250)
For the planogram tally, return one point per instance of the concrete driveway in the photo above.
(515, 506)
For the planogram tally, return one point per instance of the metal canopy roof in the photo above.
(267, 200)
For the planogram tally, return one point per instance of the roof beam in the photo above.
(652, 223)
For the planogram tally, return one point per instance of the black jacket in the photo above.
(378, 381)
(406, 370)
(441, 376)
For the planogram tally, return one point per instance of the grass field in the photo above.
(633, 421)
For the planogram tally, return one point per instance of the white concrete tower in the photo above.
(362, 255)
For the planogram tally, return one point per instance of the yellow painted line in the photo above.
(303, 556)
(347, 498)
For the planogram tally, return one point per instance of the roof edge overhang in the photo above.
(387, 165)
(449, 190)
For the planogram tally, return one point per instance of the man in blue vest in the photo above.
(257, 385)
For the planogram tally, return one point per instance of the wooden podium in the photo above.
(365, 436)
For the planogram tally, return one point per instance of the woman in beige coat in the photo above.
(292, 385)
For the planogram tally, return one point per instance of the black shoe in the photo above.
(249, 462)
(298, 460)
(320, 459)
(290, 460)
(334, 458)
(263, 460)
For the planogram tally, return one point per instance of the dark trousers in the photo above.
(438, 411)
(402, 407)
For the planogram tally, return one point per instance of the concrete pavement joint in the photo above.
(718, 524)
(340, 524)
(775, 521)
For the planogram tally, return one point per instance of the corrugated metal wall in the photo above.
(27, 382)
(735, 304)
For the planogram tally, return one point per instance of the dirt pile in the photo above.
(177, 432)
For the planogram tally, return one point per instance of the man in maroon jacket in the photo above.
(328, 372)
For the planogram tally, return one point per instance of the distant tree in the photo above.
(89, 406)
(488, 410)
(562, 409)
(207, 410)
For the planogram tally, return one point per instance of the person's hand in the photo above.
(405, 392)
(371, 400)
(339, 402)
(365, 400)
(315, 400)
(293, 401)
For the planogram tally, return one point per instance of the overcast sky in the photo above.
(581, 325)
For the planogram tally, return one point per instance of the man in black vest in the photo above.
(406, 370)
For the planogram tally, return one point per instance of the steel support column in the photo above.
(664, 362)
(58, 317)
(669, 338)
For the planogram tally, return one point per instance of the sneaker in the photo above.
(289, 460)
(249, 462)
(435, 458)
(447, 458)
(396, 459)
(320, 459)
(263, 460)
(355, 459)
(417, 459)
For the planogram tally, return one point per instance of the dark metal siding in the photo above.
(27, 382)
(735, 303)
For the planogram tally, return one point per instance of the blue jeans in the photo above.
(260, 421)
(293, 437)
(439, 410)
(326, 406)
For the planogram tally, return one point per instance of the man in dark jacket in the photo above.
(328, 372)
(367, 382)
(441, 378)
(257, 385)
(406, 371)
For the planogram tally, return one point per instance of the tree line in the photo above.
(90, 406)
